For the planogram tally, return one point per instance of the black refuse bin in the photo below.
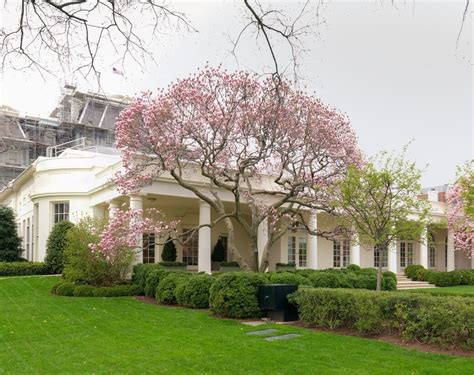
(273, 299)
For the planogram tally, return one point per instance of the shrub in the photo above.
(169, 251)
(234, 294)
(57, 242)
(152, 279)
(65, 289)
(23, 268)
(194, 291)
(10, 243)
(218, 253)
(354, 268)
(410, 271)
(451, 278)
(84, 291)
(165, 292)
(230, 264)
(389, 281)
(84, 265)
(140, 272)
(325, 279)
(289, 278)
(444, 320)
(172, 264)
(467, 277)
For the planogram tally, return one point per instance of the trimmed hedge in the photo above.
(193, 292)
(165, 292)
(23, 268)
(289, 278)
(442, 279)
(352, 277)
(234, 294)
(140, 273)
(445, 321)
(152, 279)
(69, 289)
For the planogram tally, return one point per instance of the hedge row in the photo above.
(23, 268)
(446, 321)
(66, 288)
(451, 278)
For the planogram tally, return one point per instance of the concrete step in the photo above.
(427, 286)
(412, 282)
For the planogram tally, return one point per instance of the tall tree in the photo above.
(380, 202)
(10, 243)
(460, 199)
(264, 153)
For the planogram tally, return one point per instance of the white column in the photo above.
(424, 248)
(262, 239)
(136, 203)
(204, 244)
(113, 208)
(312, 254)
(392, 256)
(355, 252)
(450, 263)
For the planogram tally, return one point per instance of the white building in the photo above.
(76, 183)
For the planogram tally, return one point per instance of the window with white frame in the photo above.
(380, 256)
(148, 247)
(341, 253)
(431, 252)
(27, 245)
(446, 253)
(190, 247)
(297, 250)
(60, 212)
(406, 253)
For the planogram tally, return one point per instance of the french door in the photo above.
(406, 253)
(190, 247)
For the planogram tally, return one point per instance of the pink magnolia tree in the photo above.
(460, 198)
(264, 152)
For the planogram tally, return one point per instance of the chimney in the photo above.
(433, 196)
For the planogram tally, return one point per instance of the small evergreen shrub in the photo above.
(10, 243)
(218, 253)
(193, 292)
(169, 251)
(65, 289)
(23, 268)
(165, 292)
(354, 268)
(234, 294)
(153, 277)
(289, 278)
(140, 272)
(172, 264)
(57, 242)
(410, 271)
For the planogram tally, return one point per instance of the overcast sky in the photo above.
(395, 71)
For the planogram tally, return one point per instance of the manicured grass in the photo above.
(459, 290)
(42, 333)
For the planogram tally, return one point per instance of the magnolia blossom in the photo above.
(124, 230)
(458, 221)
(273, 148)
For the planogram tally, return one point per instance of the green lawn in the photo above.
(41, 333)
(459, 290)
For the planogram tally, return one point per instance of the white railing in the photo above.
(80, 143)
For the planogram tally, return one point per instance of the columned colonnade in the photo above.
(205, 243)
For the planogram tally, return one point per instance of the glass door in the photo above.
(406, 254)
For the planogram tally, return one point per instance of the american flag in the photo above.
(117, 71)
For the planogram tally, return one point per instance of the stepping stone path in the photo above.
(255, 323)
(264, 332)
(282, 337)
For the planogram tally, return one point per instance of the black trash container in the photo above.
(273, 300)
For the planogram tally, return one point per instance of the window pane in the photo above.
(302, 249)
(190, 247)
(291, 249)
(336, 253)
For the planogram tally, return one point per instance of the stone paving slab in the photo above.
(283, 337)
(255, 323)
(262, 332)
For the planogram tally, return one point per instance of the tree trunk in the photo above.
(231, 245)
(379, 269)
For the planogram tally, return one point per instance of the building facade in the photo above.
(78, 118)
(76, 183)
